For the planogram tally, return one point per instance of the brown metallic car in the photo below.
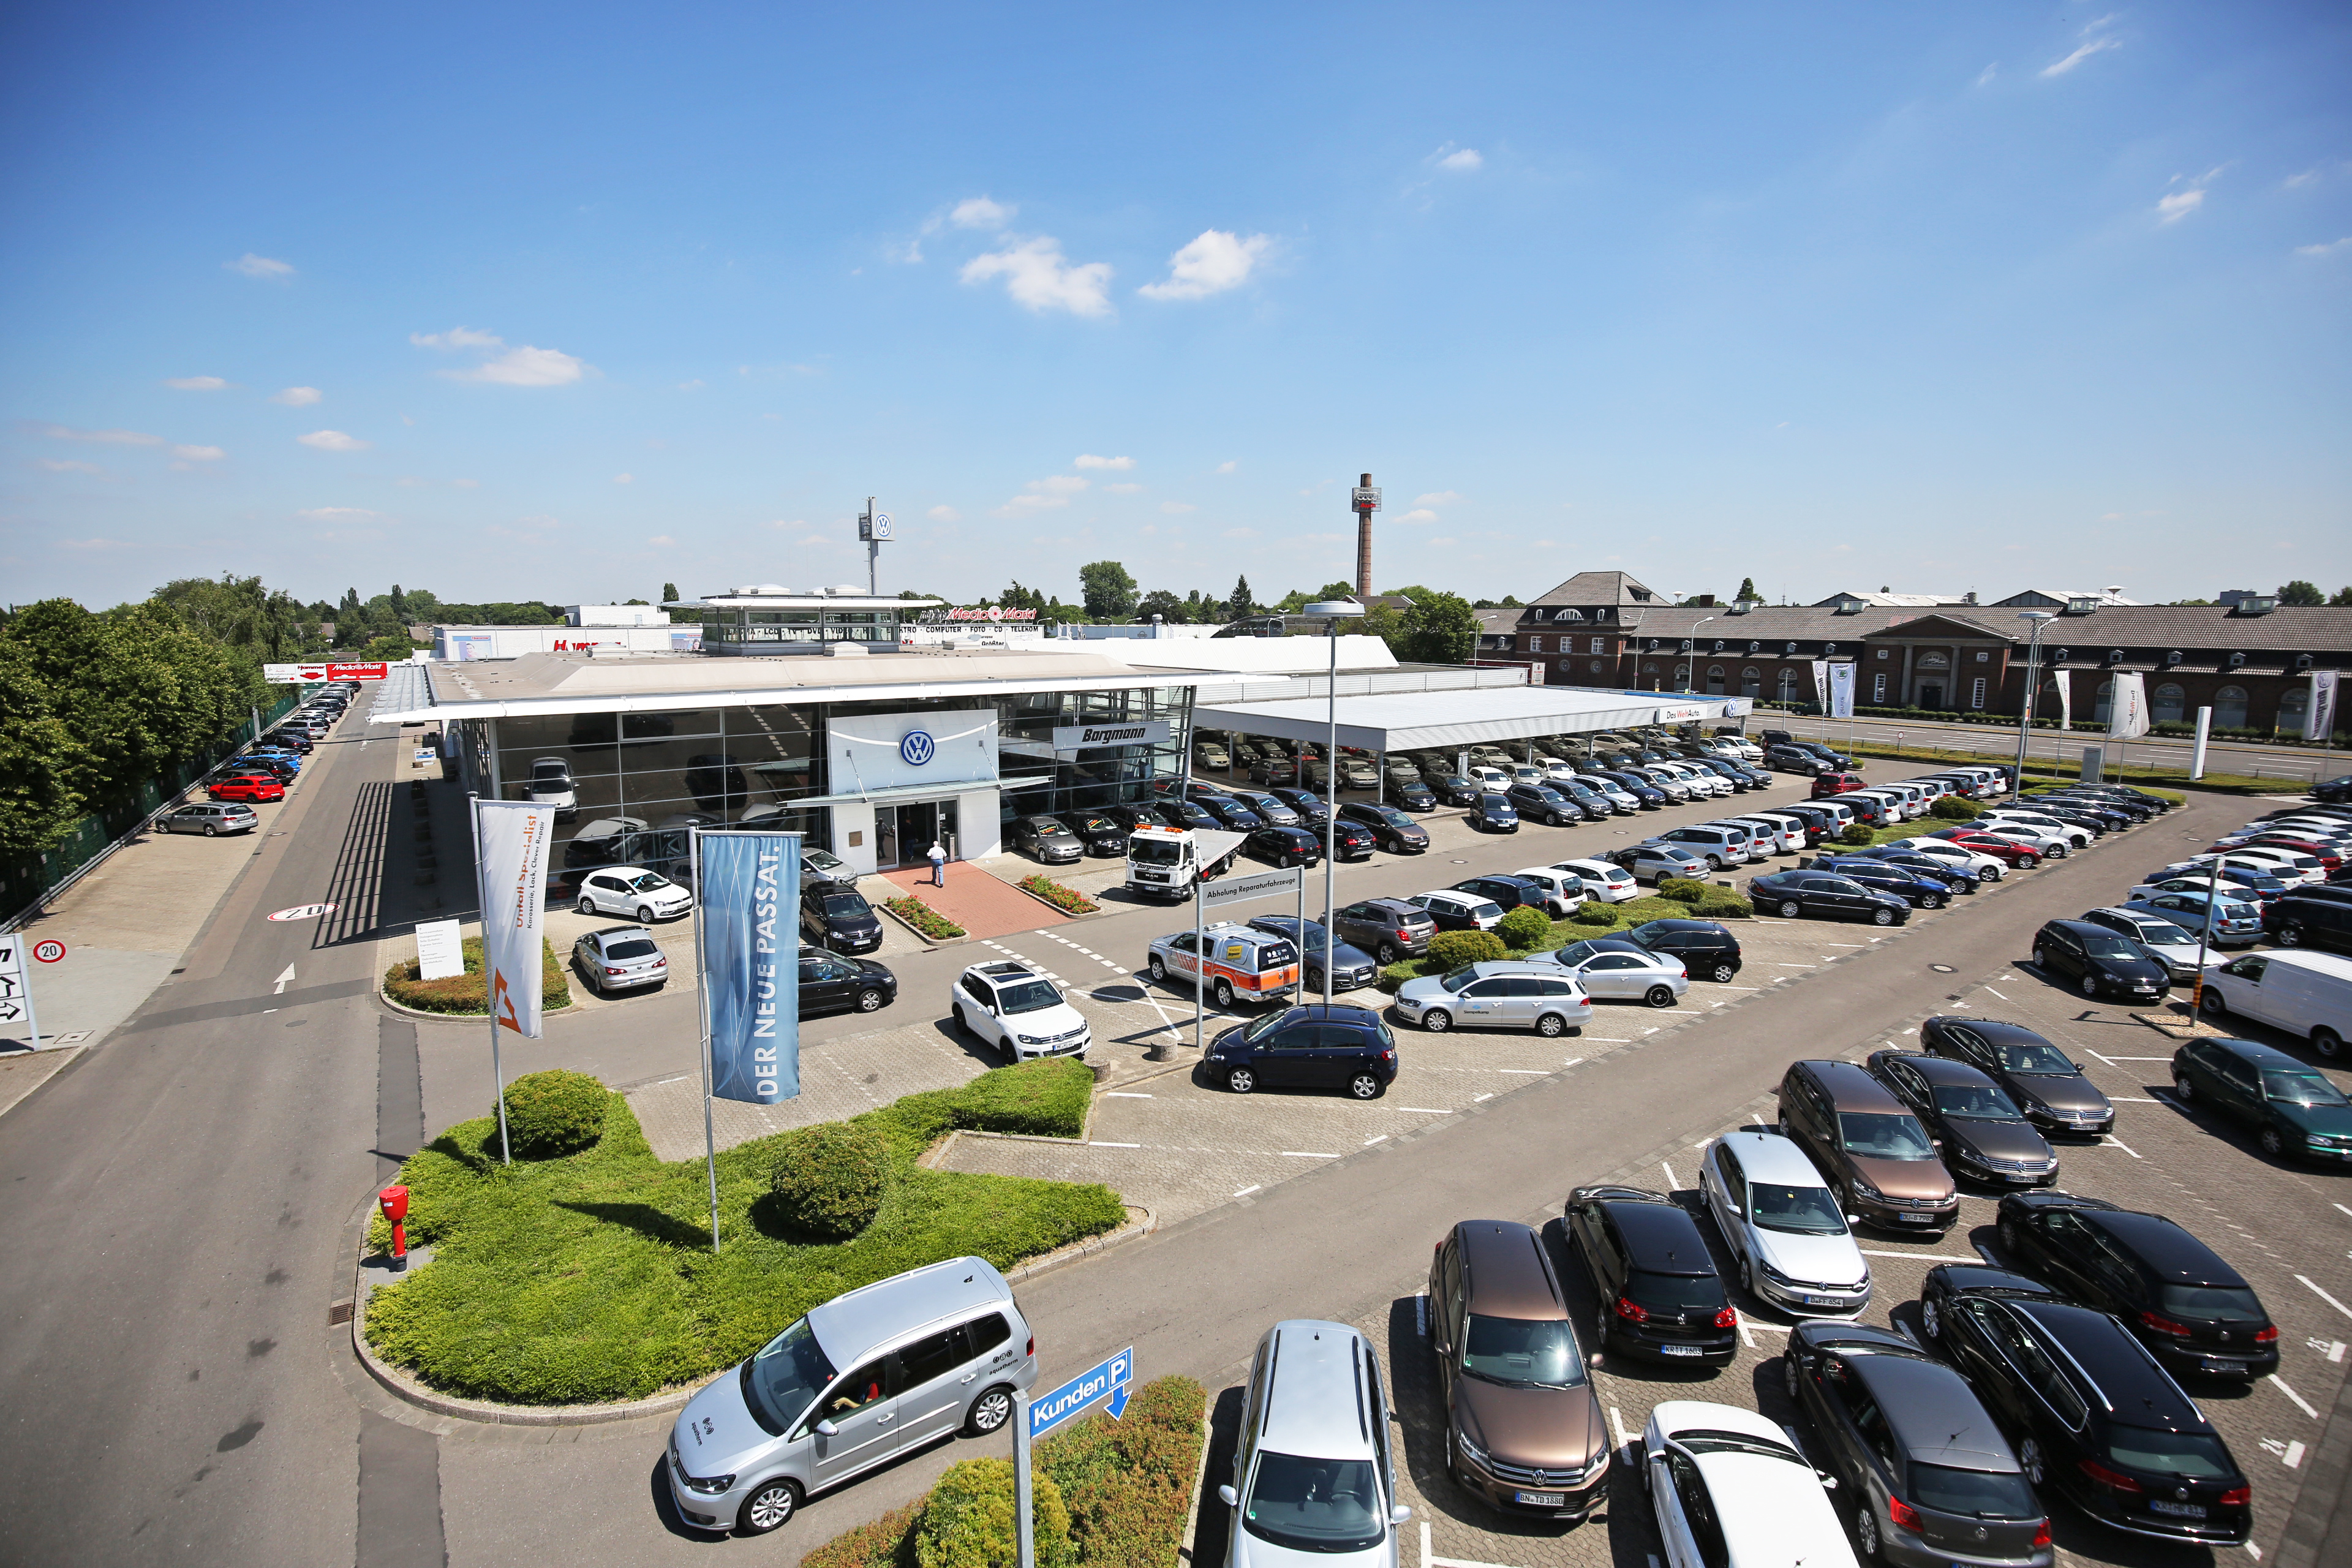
(1524, 1430)
(1869, 1145)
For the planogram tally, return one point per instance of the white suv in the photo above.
(1013, 1006)
(1315, 1469)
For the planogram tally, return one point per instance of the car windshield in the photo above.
(1097, 824)
(846, 906)
(1274, 954)
(550, 773)
(1886, 1135)
(1152, 852)
(1706, 1440)
(1679, 1292)
(1981, 1102)
(654, 882)
(2109, 947)
(1029, 997)
(1521, 1352)
(2217, 1304)
(2164, 934)
(1258, 1029)
(2195, 1455)
(2300, 1088)
(1456, 979)
(1315, 1505)
(1805, 1211)
(635, 948)
(1983, 1494)
(781, 1378)
(2035, 1056)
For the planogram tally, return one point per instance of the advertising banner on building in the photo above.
(2128, 708)
(1841, 689)
(512, 837)
(944, 747)
(1113, 733)
(2319, 719)
(1821, 683)
(2065, 698)
(749, 889)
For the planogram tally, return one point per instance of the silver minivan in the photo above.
(870, 1375)
(1315, 1465)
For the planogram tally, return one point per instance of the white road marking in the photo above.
(1525, 1072)
(2119, 1143)
(1424, 1110)
(1617, 1425)
(1922, 1256)
(1779, 966)
(1098, 1143)
(1376, 1138)
(2132, 1058)
(2300, 1402)
(1306, 1154)
(1745, 1337)
(2332, 1349)
(1573, 1061)
(1996, 992)
(282, 981)
(1124, 1094)
(1671, 1183)
(2109, 1060)
(2342, 1210)
(2135, 1100)
(1772, 1328)
(1735, 988)
(1482, 1097)
(2326, 1296)
(1246, 1191)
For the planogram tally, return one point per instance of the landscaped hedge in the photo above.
(1453, 949)
(1524, 927)
(830, 1177)
(1595, 919)
(970, 1519)
(467, 993)
(1069, 901)
(554, 1113)
(1593, 913)
(591, 1277)
(1956, 808)
(926, 919)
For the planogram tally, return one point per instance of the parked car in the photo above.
(1231, 961)
(2093, 1415)
(1950, 875)
(1720, 845)
(1659, 1297)
(2307, 995)
(1919, 889)
(246, 787)
(1209, 754)
(2169, 946)
(551, 783)
(1793, 759)
(1271, 808)
(2101, 962)
(604, 842)
(1727, 1485)
(1833, 782)
(1784, 1227)
(1865, 1140)
(209, 818)
(824, 866)
(1098, 832)
(1931, 1479)
(2043, 1080)
(1976, 1128)
(620, 957)
(1705, 949)
(1315, 1046)
(1450, 910)
(1015, 1007)
(1508, 893)
(1390, 928)
(1451, 788)
(1306, 804)
(1654, 862)
(1622, 800)
(1563, 891)
(1493, 812)
(1976, 863)
(637, 892)
(1350, 841)
(2293, 1110)
(1503, 993)
(1391, 828)
(1349, 966)
(1791, 894)
(1046, 839)
(1270, 771)
(839, 918)
(833, 983)
(1230, 813)
(1313, 1477)
(1284, 847)
(2010, 852)
(2320, 916)
(1185, 814)
(1604, 881)
(1525, 1433)
(1619, 969)
(2224, 921)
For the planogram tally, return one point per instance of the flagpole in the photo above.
(489, 1003)
(702, 1006)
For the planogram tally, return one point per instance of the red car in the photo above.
(2328, 855)
(246, 787)
(2002, 849)
(1834, 784)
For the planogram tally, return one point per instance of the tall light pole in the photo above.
(1331, 612)
(1690, 666)
(2040, 619)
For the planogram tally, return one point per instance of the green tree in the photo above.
(2341, 596)
(40, 761)
(670, 594)
(1242, 603)
(1109, 591)
(1337, 591)
(1747, 588)
(2301, 593)
(1161, 603)
(1439, 629)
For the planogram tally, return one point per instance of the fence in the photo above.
(28, 882)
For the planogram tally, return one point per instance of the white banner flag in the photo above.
(1821, 683)
(1842, 690)
(2319, 719)
(514, 838)
(2065, 698)
(2128, 709)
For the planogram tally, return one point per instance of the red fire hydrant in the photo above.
(394, 1202)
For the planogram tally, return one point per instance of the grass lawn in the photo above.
(591, 1278)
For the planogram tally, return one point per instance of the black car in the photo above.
(1649, 794)
(2104, 963)
(1978, 1129)
(1819, 824)
(1509, 892)
(1413, 797)
(839, 918)
(1230, 813)
(2320, 916)
(1659, 1297)
(1044, 838)
(1184, 814)
(2036, 1075)
(1451, 789)
(2191, 1309)
(1708, 949)
(1932, 1478)
(1390, 928)
(1350, 966)
(2093, 1415)
(1790, 894)
(1312, 1046)
(1130, 818)
(1098, 832)
(1350, 841)
(1391, 829)
(2292, 1110)
(716, 783)
(1954, 879)
(1793, 759)
(832, 983)
(1542, 803)
(277, 768)
(1834, 762)
(1919, 892)
(1493, 813)
(1594, 806)
(2335, 791)
(1284, 847)
(1309, 805)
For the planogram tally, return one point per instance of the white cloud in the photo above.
(103, 437)
(1984, 77)
(1055, 490)
(1122, 489)
(198, 454)
(694, 385)
(944, 514)
(67, 466)
(978, 211)
(2179, 206)
(1418, 515)
(625, 479)
(466, 484)
(297, 397)
(1227, 467)
(1059, 484)
(260, 266)
(2099, 45)
(524, 366)
(2330, 248)
(1440, 543)
(1036, 275)
(332, 441)
(335, 513)
(1463, 160)
(661, 538)
(1215, 262)
(1089, 460)
(1440, 497)
(195, 383)
(457, 338)
(1177, 508)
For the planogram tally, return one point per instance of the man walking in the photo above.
(938, 865)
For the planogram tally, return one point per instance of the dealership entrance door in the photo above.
(904, 834)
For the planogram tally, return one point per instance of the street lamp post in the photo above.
(2040, 619)
(1690, 666)
(1331, 612)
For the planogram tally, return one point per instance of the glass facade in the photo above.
(731, 629)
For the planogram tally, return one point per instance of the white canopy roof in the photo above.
(1407, 721)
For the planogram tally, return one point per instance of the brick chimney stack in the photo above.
(1363, 541)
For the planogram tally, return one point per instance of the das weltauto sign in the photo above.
(317, 674)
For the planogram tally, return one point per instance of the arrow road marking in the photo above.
(283, 980)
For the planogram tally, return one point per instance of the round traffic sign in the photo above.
(303, 912)
(48, 951)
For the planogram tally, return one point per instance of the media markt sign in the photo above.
(1135, 733)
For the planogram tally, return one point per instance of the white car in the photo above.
(1730, 1491)
(645, 895)
(2289, 866)
(1769, 834)
(1984, 868)
(1563, 892)
(1015, 1008)
(550, 784)
(1705, 783)
(1609, 884)
(1459, 912)
(2076, 837)
(1796, 1251)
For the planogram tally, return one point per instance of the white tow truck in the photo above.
(1170, 862)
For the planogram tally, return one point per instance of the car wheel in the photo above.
(1748, 1278)
(1931, 1317)
(1159, 969)
(1437, 1020)
(2213, 1004)
(769, 1507)
(1388, 953)
(210, 831)
(2327, 1043)
(1659, 997)
(988, 1414)
(1883, 918)
(1790, 910)
(587, 905)
(1789, 1377)
(2030, 1460)
(1315, 981)
(1551, 1026)
(1364, 1086)
(1989, 874)
(2290, 935)
(2273, 1143)
(2041, 957)
(2185, 1089)
(1241, 1080)
(1723, 974)
(870, 1000)
(2009, 1237)
(1600, 1316)
(1224, 993)
(2056, 852)
(644, 914)
(1866, 1532)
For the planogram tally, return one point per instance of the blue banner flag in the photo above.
(750, 891)
(1106, 1379)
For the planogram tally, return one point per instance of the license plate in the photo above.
(1822, 1301)
(1680, 1349)
(2177, 1510)
(1918, 1219)
(1559, 1499)
(2215, 1363)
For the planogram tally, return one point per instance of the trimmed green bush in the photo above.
(1956, 808)
(554, 1113)
(1858, 833)
(886, 1542)
(1593, 913)
(830, 1177)
(466, 993)
(1524, 927)
(1682, 889)
(1722, 904)
(967, 1521)
(1048, 1097)
(1449, 950)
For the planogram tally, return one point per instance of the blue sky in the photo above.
(568, 301)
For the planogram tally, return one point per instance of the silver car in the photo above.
(1501, 993)
(865, 1378)
(1313, 1467)
(1617, 969)
(1655, 862)
(620, 957)
(210, 819)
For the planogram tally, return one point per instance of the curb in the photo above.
(1200, 1480)
(928, 942)
(1065, 914)
(1077, 1250)
(408, 1012)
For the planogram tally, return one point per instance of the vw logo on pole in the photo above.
(917, 749)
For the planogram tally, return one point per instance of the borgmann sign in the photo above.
(1144, 733)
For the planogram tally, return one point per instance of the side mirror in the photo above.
(1853, 1219)
(1230, 1497)
(1828, 1482)
(827, 1429)
(1399, 1514)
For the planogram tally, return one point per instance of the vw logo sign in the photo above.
(917, 749)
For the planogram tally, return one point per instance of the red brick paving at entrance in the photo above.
(982, 904)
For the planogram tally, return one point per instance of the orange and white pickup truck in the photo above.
(1231, 963)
